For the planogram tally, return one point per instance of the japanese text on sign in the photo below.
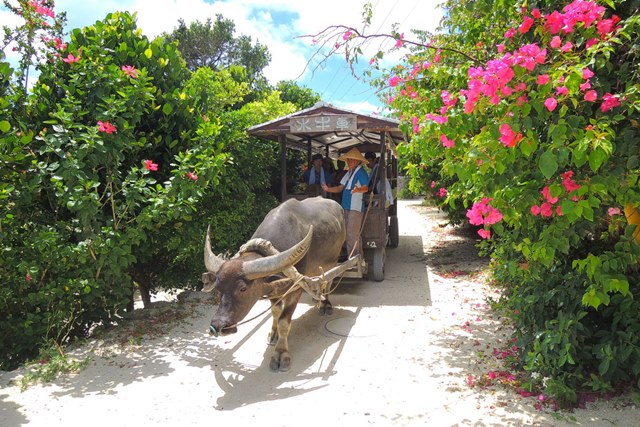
(344, 122)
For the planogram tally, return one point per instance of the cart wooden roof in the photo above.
(329, 130)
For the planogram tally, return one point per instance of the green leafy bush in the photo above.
(118, 162)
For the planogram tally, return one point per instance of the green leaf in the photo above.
(148, 53)
(5, 126)
(596, 158)
(548, 164)
(167, 109)
(528, 147)
(591, 299)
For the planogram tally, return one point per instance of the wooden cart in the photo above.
(331, 132)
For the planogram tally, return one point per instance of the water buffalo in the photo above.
(297, 240)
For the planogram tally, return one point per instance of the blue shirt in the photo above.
(354, 201)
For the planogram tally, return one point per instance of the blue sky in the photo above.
(276, 24)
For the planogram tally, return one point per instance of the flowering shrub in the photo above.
(109, 139)
(537, 135)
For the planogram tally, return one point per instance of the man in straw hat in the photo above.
(353, 186)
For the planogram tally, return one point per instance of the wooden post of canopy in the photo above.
(283, 166)
(382, 167)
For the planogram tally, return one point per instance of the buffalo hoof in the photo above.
(326, 309)
(280, 362)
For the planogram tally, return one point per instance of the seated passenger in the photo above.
(316, 176)
(375, 178)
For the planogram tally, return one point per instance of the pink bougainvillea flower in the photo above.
(394, 80)
(535, 210)
(470, 381)
(485, 234)
(28, 277)
(446, 142)
(42, 9)
(447, 99)
(568, 183)
(559, 210)
(609, 101)
(525, 393)
(510, 33)
(192, 176)
(562, 90)
(536, 13)
(433, 184)
(372, 61)
(591, 96)
(483, 213)
(556, 42)
(400, 40)
(566, 47)
(607, 26)
(106, 127)
(70, 59)
(543, 79)
(546, 192)
(586, 85)
(347, 35)
(587, 73)
(551, 103)
(130, 71)
(59, 44)
(527, 22)
(508, 136)
(442, 192)
(613, 211)
(416, 124)
(591, 42)
(546, 209)
(500, 47)
(150, 166)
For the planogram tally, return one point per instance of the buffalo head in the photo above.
(246, 278)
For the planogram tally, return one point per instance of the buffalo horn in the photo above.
(211, 261)
(275, 263)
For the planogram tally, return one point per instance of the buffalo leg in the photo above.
(326, 308)
(276, 311)
(281, 360)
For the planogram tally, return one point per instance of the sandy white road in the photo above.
(397, 352)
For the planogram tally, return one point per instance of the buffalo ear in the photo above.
(209, 281)
(274, 278)
(277, 282)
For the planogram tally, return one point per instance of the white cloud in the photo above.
(276, 24)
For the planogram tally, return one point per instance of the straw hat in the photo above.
(353, 154)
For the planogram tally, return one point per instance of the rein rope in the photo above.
(266, 248)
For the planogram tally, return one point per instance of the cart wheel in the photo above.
(376, 269)
(394, 232)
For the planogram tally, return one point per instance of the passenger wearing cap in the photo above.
(376, 177)
(353, 186)
(372, 164)
(316, 176)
